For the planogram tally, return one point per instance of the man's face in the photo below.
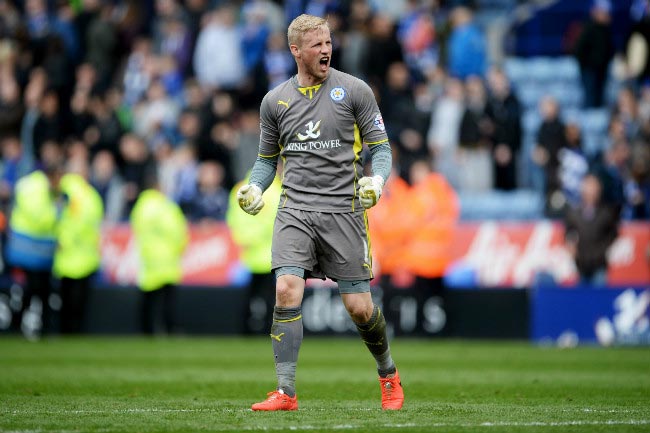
(314, 53)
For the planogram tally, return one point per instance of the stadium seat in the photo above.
(498, 205)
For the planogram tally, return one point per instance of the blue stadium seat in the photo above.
(515, 205)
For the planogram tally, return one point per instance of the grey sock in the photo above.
(286, 337)
(373, 333)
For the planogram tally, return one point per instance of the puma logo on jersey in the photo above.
(313, 131)
(286, 104)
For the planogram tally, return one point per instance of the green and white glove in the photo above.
(250, 199)
(370, 190)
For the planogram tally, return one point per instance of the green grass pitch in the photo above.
(207, 385)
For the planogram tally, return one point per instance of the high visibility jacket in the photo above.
(79, 229)
(34, 212)
(32, 234)
(254, 233)
(161, 233)
(414, 228)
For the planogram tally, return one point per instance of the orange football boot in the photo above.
(277, 400)
(392, 393)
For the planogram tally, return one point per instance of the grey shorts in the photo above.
(334, 245)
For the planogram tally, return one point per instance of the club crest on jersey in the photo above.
(379, 122)
(337, 94)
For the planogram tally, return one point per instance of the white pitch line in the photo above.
(232, 410)
(340, 427)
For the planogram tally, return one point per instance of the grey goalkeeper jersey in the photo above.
(319, 132)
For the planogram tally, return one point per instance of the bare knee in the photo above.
(360, 310)
(288, 291)
(360, 315)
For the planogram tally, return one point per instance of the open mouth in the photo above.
(324, 61)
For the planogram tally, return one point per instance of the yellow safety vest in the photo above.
(161, 233)
(34, 213)
(79, 229)
(254, 233)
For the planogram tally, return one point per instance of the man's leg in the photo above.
(371, 325)
(286, 337)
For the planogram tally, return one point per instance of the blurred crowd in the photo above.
(121, 90)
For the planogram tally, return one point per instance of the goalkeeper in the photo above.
(318, 122)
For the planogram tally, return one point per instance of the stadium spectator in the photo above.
(244, 152)
(210, 198)
(101, 42)
(136, 166)
(626, 111)
(48, 126)
(77, 256)
(475, 139)
(417, 35)
(408, 124)
(594, 51)
(444, 130)
(550, 139)
(637, 42)
(11, 106)
(591, 228)
(354, 40)
(165, 165)
(255, 34)
(637, 185)
(156, 114)
(105, 131)
(161, 233)
(218, 60)
(573, 166)
(32, 99)
(382, 50)
(188, 166)
(466, 53)
(165, 11)
(278, 64)
(106, 179)
(505, 111)
(612, 172)
(138, 70)
(176, 42)
(13, 166)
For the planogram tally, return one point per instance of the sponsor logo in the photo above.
(337, 94)
(630, 323)
(313, 131)
(296, 146)
(379, 122)
(285, 103)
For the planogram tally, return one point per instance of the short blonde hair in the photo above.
(301, 25)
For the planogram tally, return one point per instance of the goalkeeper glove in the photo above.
(250, 199)
(370, 190)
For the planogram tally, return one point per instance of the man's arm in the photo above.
(250, 196)
(263, 172)
(381, 159)
(371, 187)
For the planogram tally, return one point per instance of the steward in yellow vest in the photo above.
(253, 235)
(31, 242)
(161, 235)
(77, 256)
